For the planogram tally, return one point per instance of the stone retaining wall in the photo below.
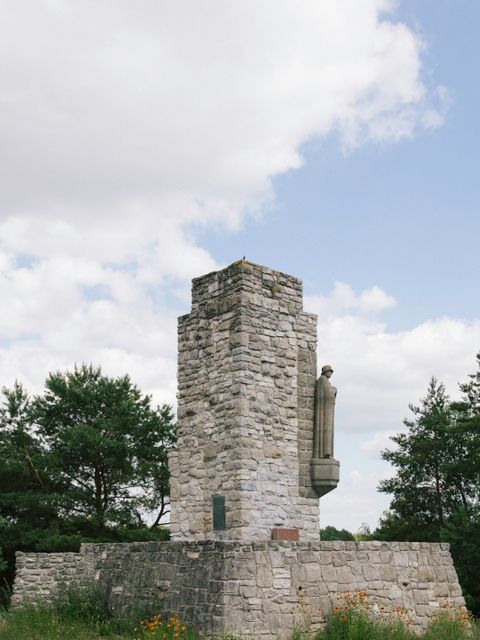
(260, 590)
(38, 575)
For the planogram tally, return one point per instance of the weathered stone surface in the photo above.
(247, 371)
(246, 383)
(250, 590)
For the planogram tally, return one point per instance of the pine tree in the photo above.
(107, 446)
(428, 486)
(467, 423)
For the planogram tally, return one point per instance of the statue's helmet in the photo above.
(325, 368)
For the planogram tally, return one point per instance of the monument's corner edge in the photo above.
(244, 263)
(309, 316)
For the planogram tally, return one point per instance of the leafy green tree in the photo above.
(27, 492)
(85, 460)
(462, 532)
(428, 486)
(3, 562)
(467, 423)
(435, 493)
(331, 533)
(151, 463)
(28, 505)
(106, 445)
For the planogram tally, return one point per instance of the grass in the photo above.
(81, 615)
(43, 624)
(354, 619)
(76, 614)
(365, 628)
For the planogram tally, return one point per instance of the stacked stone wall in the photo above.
(246, 378)
(270, 590)
(258, 590)
(39, 576)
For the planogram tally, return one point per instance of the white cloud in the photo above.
(343, 298)
(380, 441)
(124, 126)
(379, 372)
(108, 103)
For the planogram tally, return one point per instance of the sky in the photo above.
(146, 143)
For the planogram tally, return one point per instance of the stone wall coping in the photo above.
(246, 263)
(47, 554)
(228, 545)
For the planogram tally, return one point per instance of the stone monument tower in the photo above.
(254, 454)
(243, 466)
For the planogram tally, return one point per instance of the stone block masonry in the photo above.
(246, 380)
(240, 475)
(254, 590)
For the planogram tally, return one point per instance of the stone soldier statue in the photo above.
(324, 415)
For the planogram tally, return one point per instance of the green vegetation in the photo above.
(436, 490)
(356, 618)
(84, 461)
(427, 488)
(46, 624)
(81, 615)
(362, 626)
(76, 614)
(331, 533)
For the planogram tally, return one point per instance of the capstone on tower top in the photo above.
(243, 468)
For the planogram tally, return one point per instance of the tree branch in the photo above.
(32, 467)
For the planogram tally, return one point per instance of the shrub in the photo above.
(85, 605)
(454, 623)
(352, 619)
